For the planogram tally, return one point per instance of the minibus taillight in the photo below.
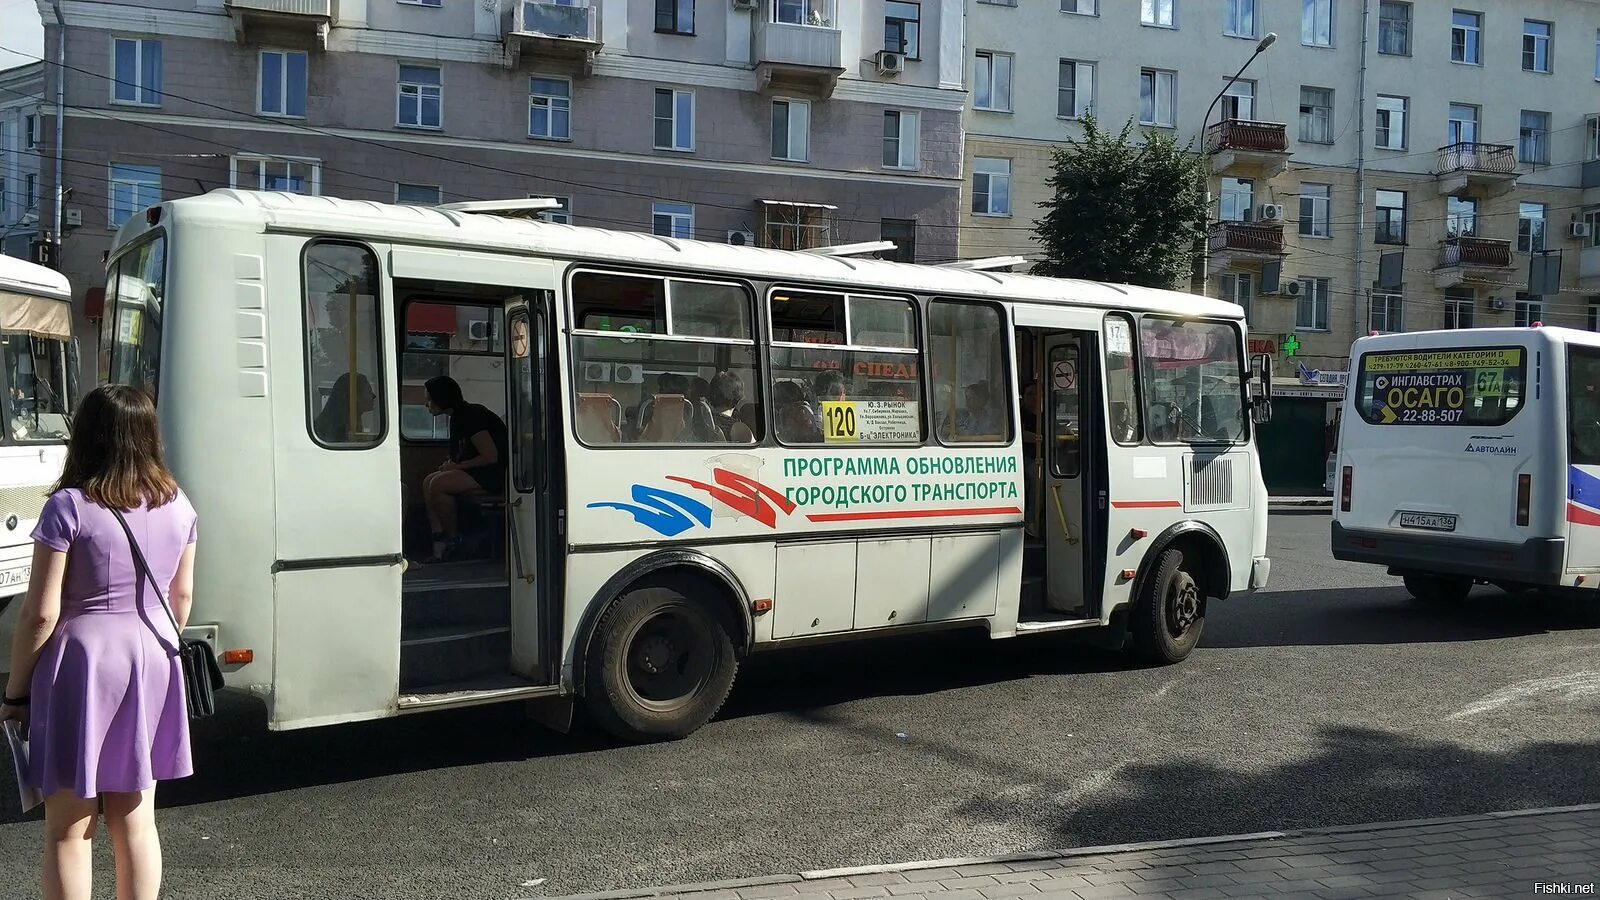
(1344, 488)
(1524, 497)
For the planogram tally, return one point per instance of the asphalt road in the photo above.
(1330, 699)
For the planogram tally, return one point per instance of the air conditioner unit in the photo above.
(596, 371)
(742, 238)
(72, 217)
(628, 373)
(482, 330)
(1290, 288)
(890, 62)
(1499, 304)
(747, 5)
(1272, 212)
(1580, 230)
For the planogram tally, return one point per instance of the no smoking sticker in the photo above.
(519, 338)
(1064, 374)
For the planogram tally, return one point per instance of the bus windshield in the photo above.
(1447, 386)
(37, 399)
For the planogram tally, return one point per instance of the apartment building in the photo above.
(21, 138)
(785, 123)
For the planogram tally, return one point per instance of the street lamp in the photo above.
(1205, 123)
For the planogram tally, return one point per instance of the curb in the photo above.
(1072, 853)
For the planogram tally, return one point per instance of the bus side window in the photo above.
(972, 401)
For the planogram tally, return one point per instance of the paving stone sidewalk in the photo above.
(1550, 852)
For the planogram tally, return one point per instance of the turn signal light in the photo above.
(1524, 498)
(1345, 478)
(761, 607)
(238, 657)
(1139, 534)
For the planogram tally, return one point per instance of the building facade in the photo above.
(1380, 166)
(774, 122)
(21, 149)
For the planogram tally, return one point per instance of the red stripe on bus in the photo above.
(1580, 516)
(914, 514)
(1145, 504)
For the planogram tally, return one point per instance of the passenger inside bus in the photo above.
(725, 395)
(475, 470)
(979, 418)
(347, 403)
(796, 420)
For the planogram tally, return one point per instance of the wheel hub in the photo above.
(1185, 603)
(655, 654)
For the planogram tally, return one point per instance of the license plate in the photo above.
(1428, 521)
(13, 577)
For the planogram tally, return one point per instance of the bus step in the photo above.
(1033, 597)
(437, 655)
(480, 607)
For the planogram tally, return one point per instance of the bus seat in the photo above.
(667, 417)
(599, 419)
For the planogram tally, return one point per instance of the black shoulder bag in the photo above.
(202, 677)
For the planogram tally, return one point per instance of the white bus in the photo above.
(1473, 456)
(678, 495)
(38, 378)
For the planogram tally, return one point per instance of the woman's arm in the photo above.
(487, 454)
(181, 592)
(41, 610)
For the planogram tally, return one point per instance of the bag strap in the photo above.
(144, 571)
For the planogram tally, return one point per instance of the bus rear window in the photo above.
(1448, 386)
(130, 336)
(1583, 398)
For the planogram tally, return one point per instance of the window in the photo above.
(1124, 408)
(855, 358)
(417, 194)
(1080, 7)
(1316, 115)
(1463, 127)
(1459, 304)
(991, 187)
(1390, 227)
(418, 104)
(1239, 101)
(1075, 89)
(283, 84)
(462, 341)
(796, 226)
(1161, 13)
(903, 233)
(1466, 32)
(1385, 313)
(971, 396)
(528, 387)
(674, 119)
(1157, 93)
(1591, 217)
(1597, 54)
(561, 215)
(1460, 217)
(992, 80)
(902, 25)
(1193, 380)
(432, 4)
(268, 173)
(1530, 227)
(791, 130)
(900, 132)
(674, 220)
(1391, 126)
(1592, 323)
(136, 71)
(812, 13)
(550, 108)
(1311, 310)
(344, 333)
(1533, 139)
(1239, 18)
(675, 16)
(30, 191)
(663, 361)
(1316, 23)
(1238, 287)
(1316, 201)
(31, 131)
(1489, 379)
(1394, 28)
(130, 329)
(1536, 46)
(1583, 404)
(1236, 200)
(1528, 311)
(1592, 133)
(42, 380)
(133, 189)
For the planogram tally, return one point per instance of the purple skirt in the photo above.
(107, 710)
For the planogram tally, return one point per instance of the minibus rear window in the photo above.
(130, 332)
(1446, 386)
(1583, 404)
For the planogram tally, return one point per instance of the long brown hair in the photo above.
(114, 455)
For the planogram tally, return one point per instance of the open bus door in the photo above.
(534, 526)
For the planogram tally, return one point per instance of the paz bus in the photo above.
(1473, 456)
(713, 450)
(38, 365)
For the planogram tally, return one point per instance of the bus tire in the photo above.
(661, 665)
(1169, 612)
(1439, 590)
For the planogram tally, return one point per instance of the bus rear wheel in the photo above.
(1169, 612)
(661, 666)
(1438, 589)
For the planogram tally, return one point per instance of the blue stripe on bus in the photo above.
(1583, 487)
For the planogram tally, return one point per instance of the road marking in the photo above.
(1569, 688)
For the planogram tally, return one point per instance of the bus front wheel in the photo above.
(661, 665)
(1169, 613)
(1440, 589)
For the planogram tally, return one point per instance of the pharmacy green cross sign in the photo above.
(1290, 346)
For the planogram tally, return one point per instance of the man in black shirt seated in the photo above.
(477, 463)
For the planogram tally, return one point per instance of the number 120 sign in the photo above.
(844, 421)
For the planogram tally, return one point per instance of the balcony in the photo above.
(297, 23)
(1236, 144)
(544, 32)
(1473, 260)
(795, 57)
(1477, 170)
(1233, 242)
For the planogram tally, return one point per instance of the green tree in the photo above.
(1125, 210)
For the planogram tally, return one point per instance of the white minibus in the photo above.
(710, 450)
(1473, 456)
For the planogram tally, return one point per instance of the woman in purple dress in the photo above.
(94, 672)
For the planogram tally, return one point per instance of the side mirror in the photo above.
(1261, 388)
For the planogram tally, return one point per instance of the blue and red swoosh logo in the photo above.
(1583, 497)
